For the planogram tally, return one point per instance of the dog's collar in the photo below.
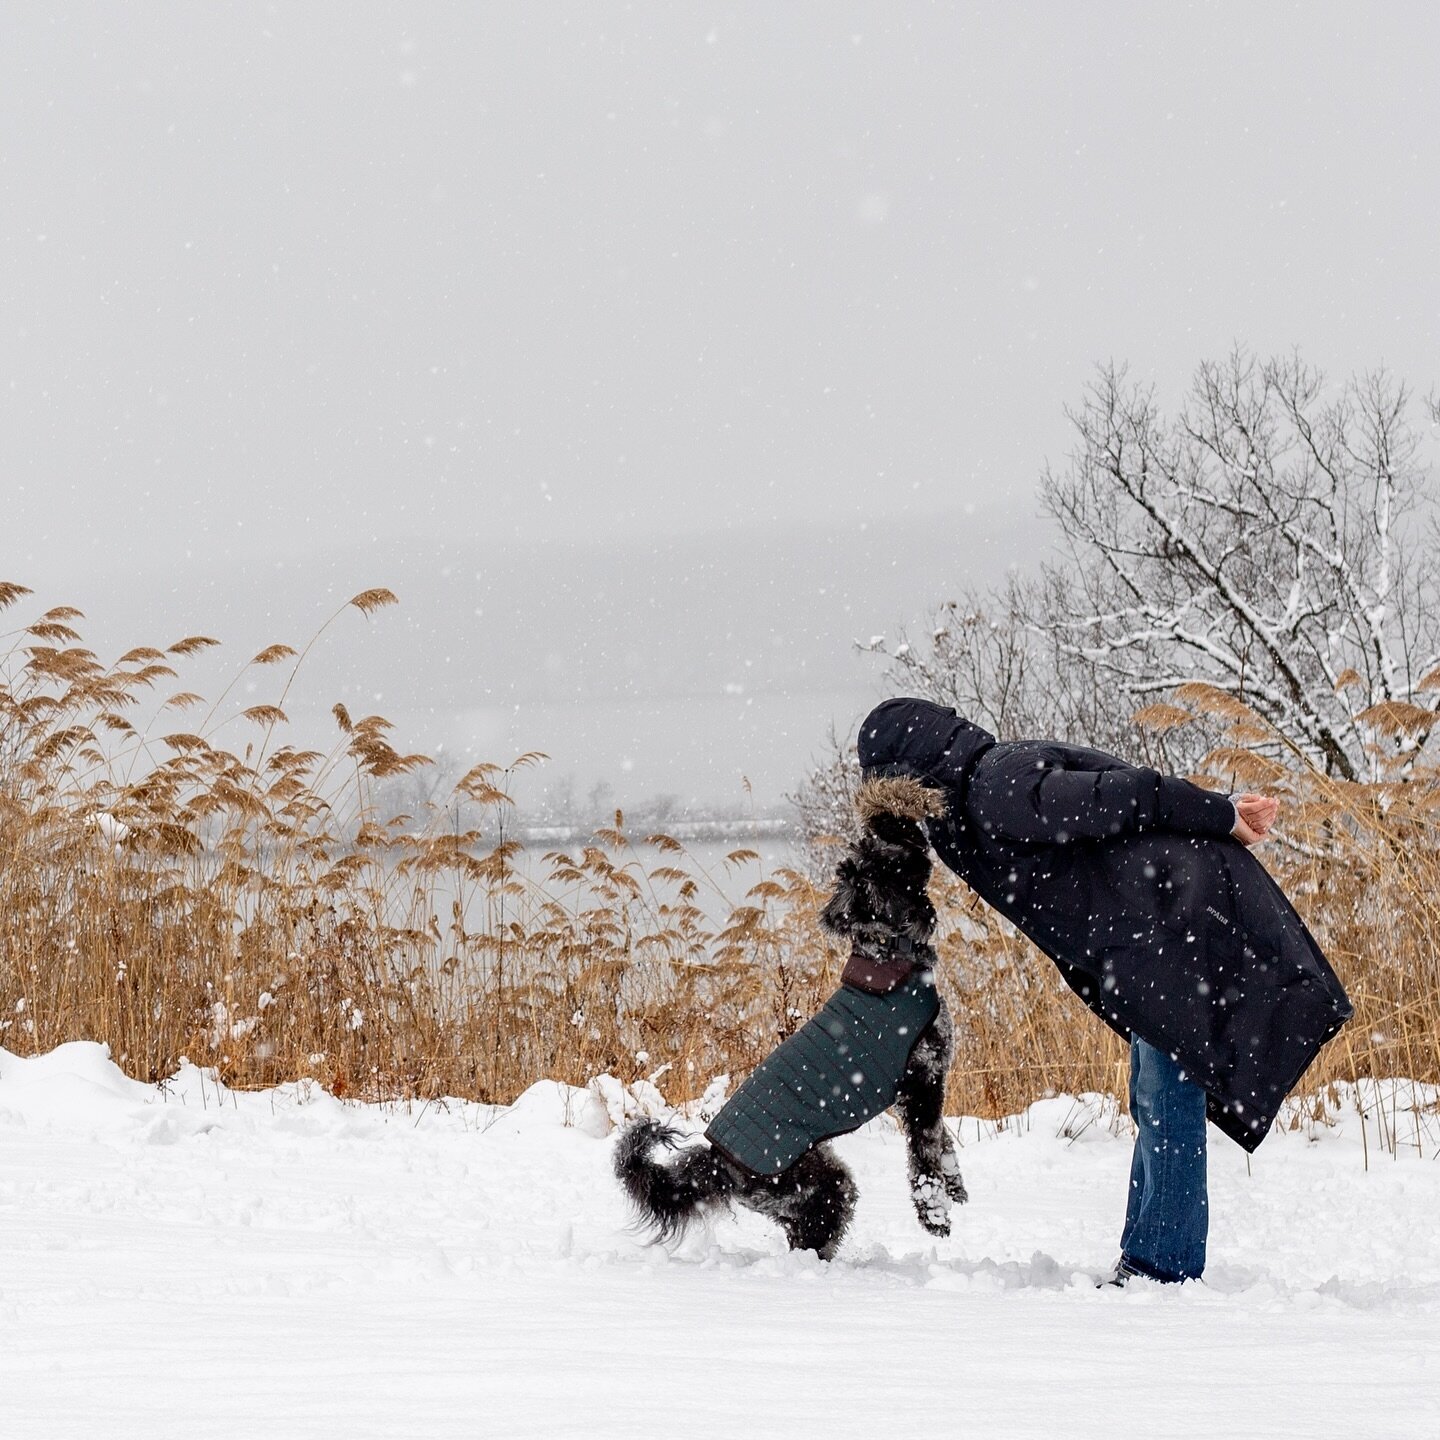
(882, 973)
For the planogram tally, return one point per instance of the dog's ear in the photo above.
(842, 912)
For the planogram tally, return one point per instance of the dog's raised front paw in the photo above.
(932, 1204)
(950, 1174)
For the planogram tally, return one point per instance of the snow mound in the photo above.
(72, 1086)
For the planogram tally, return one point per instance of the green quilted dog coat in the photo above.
(840, 1069)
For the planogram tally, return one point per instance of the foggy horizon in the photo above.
(639, 317)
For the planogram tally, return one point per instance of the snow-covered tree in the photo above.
(1273, 539)
(1000, 661)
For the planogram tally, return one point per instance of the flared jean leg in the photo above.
(1167, 1213)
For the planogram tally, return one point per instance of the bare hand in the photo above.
(1256, 814)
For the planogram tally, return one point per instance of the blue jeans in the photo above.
(1168, 1215)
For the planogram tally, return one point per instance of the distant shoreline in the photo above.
(692, 831)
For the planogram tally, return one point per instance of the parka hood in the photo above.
(920, 739)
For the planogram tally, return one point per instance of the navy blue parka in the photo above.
(1130, 882)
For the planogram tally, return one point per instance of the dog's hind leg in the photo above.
(934, 1164)
(826, 1215)
(813, 1201)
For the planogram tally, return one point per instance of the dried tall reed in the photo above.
(258, 913)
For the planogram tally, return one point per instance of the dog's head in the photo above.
(880, 884)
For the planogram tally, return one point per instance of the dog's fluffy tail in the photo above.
(668, 1195)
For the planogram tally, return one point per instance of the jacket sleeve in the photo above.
(1032, 794)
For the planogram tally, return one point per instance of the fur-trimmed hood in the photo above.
(897, 795)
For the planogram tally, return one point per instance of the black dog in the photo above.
(881, 906)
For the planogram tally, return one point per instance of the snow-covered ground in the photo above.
(190, 1262)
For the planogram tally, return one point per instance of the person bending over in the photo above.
(1141, 888)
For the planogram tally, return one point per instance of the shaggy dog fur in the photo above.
(880, 897)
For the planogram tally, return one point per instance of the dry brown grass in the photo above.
(256, 912)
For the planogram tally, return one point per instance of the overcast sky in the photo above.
(565, 298)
